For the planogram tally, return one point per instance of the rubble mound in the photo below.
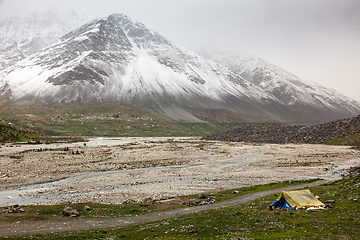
(271, 133)
(352, 172)
(70, 212)
(12, 209)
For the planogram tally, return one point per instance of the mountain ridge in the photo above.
(115, 59)
(283, 85)
(22, 37)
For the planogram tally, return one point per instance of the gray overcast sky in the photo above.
(317, 40)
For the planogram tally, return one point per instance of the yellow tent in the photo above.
(297, 199)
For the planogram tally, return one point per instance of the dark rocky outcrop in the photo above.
(270, 133)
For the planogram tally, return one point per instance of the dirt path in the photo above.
(23, 228)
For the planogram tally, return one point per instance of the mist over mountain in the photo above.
(21, 37)
(305, 96)
(118, 60)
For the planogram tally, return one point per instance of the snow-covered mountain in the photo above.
(115, 59)
(308, 97)
(21, 37)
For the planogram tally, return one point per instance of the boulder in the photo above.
(201, 196)
(70, 212)
(87, 208)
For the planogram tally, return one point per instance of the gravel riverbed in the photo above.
(122, 170)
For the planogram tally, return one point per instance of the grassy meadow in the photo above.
(110, 120)
(252, 220)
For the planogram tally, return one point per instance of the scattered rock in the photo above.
(329, 201)
(198, 202)
(328, 205)
(352, 199)
(127, 201)
(193, 231)
(87, 208)
(201, 196)
(13, 209)
(271, 133)
(241, 239)
(354, 171)
(70, 212)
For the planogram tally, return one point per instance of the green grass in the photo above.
(353, 140)
(44, 212)
(112, 120)
(191, 225)
(254, 220)
(251, 220)
(11, 133)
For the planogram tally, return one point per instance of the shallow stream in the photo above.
(22, 195)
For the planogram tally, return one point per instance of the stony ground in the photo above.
(271, 133)
(151, 168)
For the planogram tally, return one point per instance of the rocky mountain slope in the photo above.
(270, 133)
(118, 60)
(21, 37)
(307, 97)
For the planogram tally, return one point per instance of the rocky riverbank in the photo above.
(270, 133)
(153, 169)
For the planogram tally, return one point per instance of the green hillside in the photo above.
(351, 140)
(117, 120)
(11, 133)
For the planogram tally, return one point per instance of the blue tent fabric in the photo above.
(282, 204)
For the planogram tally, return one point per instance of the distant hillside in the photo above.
(117, 120)
(10, 133)
(345, 131)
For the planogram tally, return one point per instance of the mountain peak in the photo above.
(119, 17)
(118, 60)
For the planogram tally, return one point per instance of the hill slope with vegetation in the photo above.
(112, 120)
(11, 133)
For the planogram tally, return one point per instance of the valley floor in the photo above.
(123, 170)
